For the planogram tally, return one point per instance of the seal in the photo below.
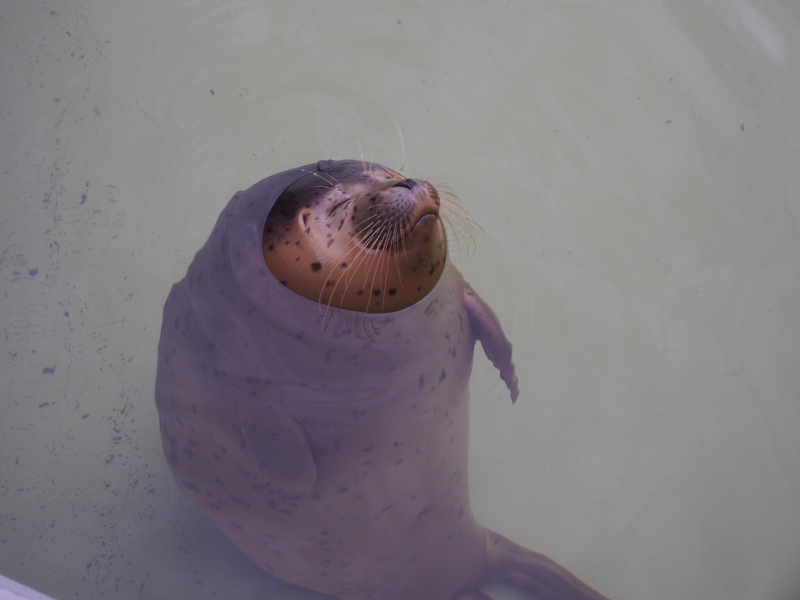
(336, 461)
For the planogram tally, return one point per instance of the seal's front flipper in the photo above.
(534, 572)
(488, 330)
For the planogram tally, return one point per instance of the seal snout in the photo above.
(393, 210)
(419, 200)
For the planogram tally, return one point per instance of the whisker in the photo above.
(361, 152)
(331, 181)
(459, 221)
(393, 252)
(462, 232)
(380, 254)
(361, 253)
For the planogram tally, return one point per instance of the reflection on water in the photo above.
(632, 167)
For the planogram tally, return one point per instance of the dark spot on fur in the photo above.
(425, 513)
(316, 266)
(392, 291)
(421, 382)
(442, 376)
(191, 487)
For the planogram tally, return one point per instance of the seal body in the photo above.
(335, 461)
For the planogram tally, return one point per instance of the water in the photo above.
(633, 166)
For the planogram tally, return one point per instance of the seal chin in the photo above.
(423, 229)
(429, 219)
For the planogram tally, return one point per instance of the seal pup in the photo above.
(338, 461)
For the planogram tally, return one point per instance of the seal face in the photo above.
(358, 237)
(337, 463)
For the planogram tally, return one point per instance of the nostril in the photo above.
(409, 184)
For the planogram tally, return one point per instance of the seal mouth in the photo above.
(429, 217)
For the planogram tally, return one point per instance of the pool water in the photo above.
(634, 167)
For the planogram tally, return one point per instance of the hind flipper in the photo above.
(534, 572)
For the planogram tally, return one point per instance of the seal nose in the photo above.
(409, 184)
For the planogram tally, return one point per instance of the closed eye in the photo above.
(337, 205)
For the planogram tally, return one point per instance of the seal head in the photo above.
(357, 236)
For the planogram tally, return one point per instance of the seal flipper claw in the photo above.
(488, 330)
(535, 572)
